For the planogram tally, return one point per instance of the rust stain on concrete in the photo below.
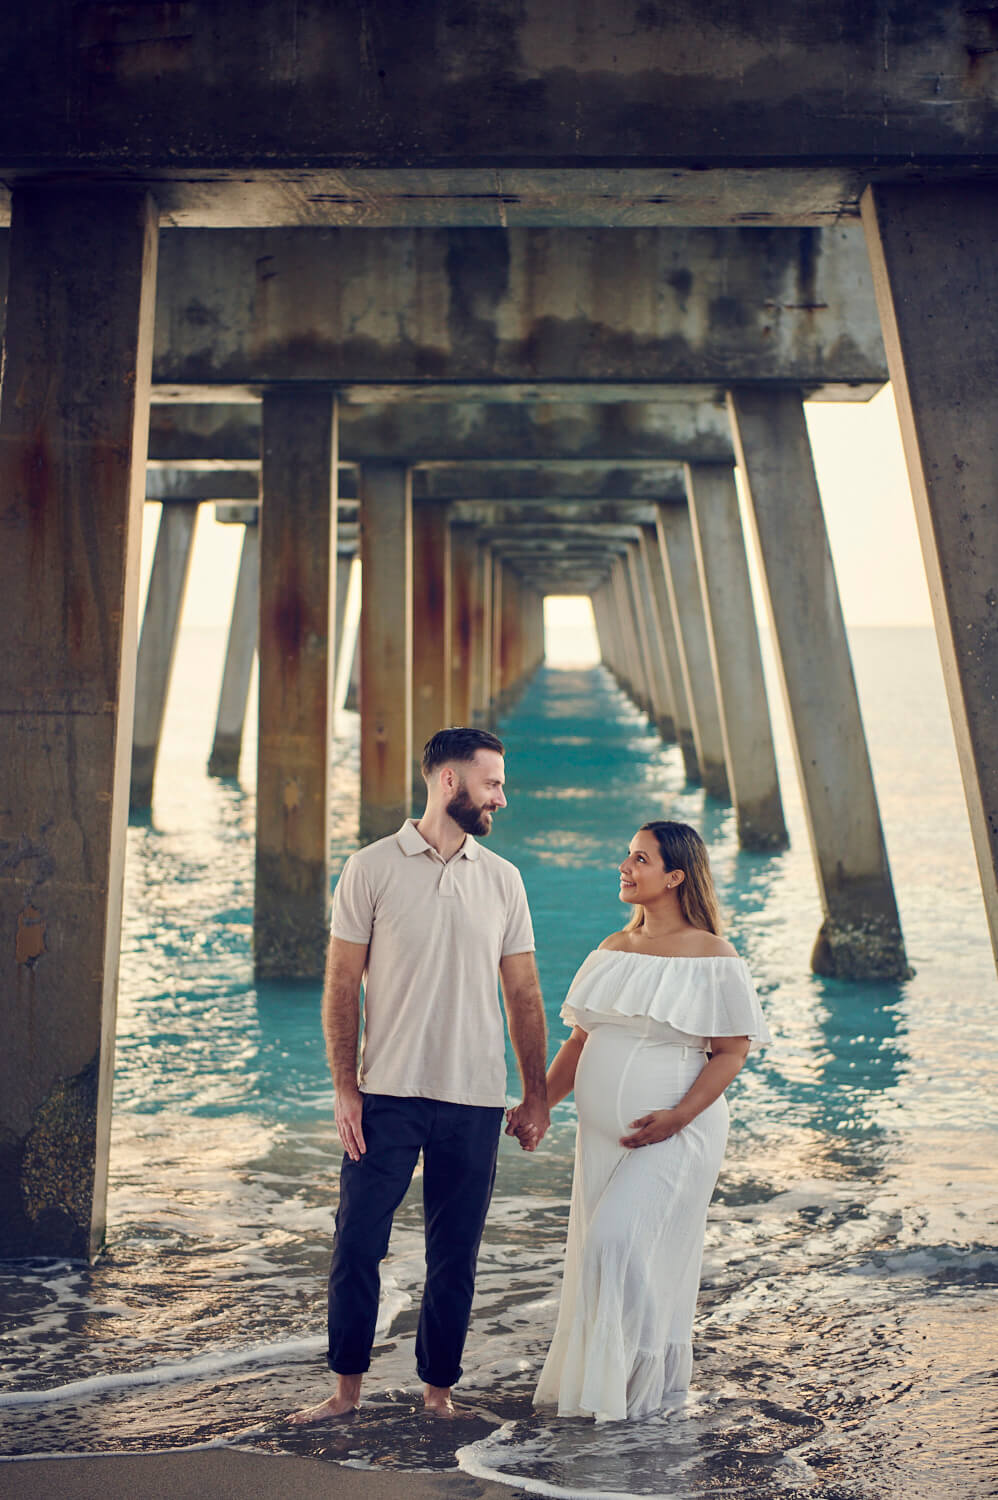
(29, 940)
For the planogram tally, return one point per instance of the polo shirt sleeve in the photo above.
(518, 936)
(353, 905)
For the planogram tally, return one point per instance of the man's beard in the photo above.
(473, 819)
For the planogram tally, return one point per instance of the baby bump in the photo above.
(622, 1075)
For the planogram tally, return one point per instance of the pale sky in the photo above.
(868, 511)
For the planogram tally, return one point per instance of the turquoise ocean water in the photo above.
(846, 1342)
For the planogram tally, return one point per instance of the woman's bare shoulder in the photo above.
(617, 941)
(709, 945)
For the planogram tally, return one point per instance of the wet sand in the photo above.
(225, 1474)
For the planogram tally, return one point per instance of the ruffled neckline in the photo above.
(702, 995)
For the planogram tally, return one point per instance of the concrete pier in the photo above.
(158, 643)
(495, 646)
(661, 662)
(465, 584)
(385, 649)
(297, 556)
(861, 934)
(675, 535)
(936, 280)
(484, 631)
(73, 415)
(431, 628)
(660, 696)
(682, 713)
(735, 656)
(240, 652)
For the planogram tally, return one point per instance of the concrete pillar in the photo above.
(632, 679)
(158, 643)
(679, 560)
(297, 617)
(936, 281)
(495, 650)
(483, 707)
(651, 702)
(465, 586)
(344, 567)
(604, 633)
(240, 651)
(431, 629)
(861, 934)
(681, 711)
(735, 656)
(656, 666)
(74, 413)
(385, 649)
(511, 635)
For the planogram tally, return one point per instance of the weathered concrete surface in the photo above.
(681, 712)
(482, 679)
(635, 434)
(73, 412)
(700, 305)
(861, 934)
(632, 675)
(936, 278)
(675, 536)
(664, 112)
(465, 584)
(158, 644)
(735, 656)
(385, 649)
(296, 653)
(240, 652)
(431, 628)
(663, 692)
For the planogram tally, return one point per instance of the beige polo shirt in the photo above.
(433, 1025)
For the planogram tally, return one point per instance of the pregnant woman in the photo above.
(662, 1016)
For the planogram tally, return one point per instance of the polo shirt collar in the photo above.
(411, 841)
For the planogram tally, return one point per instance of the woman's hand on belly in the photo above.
(658, 1126)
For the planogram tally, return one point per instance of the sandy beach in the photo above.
(227, 1475)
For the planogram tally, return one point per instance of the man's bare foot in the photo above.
(437, 1401)
(345, 1401)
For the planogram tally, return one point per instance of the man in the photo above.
(427, 918)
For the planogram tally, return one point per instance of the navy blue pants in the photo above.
(459, 1143)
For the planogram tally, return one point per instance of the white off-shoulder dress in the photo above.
(637, 1219)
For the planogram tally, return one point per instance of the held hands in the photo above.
(658, 1126)
(349, 1105)
(529, 1123)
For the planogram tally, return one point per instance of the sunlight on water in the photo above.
(845, 1340)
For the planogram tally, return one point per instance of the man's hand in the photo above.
(349, 1111)
(528, 1122)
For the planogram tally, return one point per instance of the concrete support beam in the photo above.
(344, 568)
(661, 670)
(484, 631)
(675, 535)
(465, 586)
(73, 416)
(240, 651)
(936, 283)
(297, 579)
(597, 450)
(591, 306)
(385, 649)
(861, 934)
(158, 644)
(495, 650)
(635, 682)
(431, 629)
(736, 658)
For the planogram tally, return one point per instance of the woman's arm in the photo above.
(561, 1073)
(728, 1053)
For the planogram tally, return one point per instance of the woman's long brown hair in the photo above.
(682, 848)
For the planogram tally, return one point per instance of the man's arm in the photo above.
(521, 992)
(345, 964)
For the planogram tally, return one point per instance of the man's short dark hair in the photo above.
(458, 743)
